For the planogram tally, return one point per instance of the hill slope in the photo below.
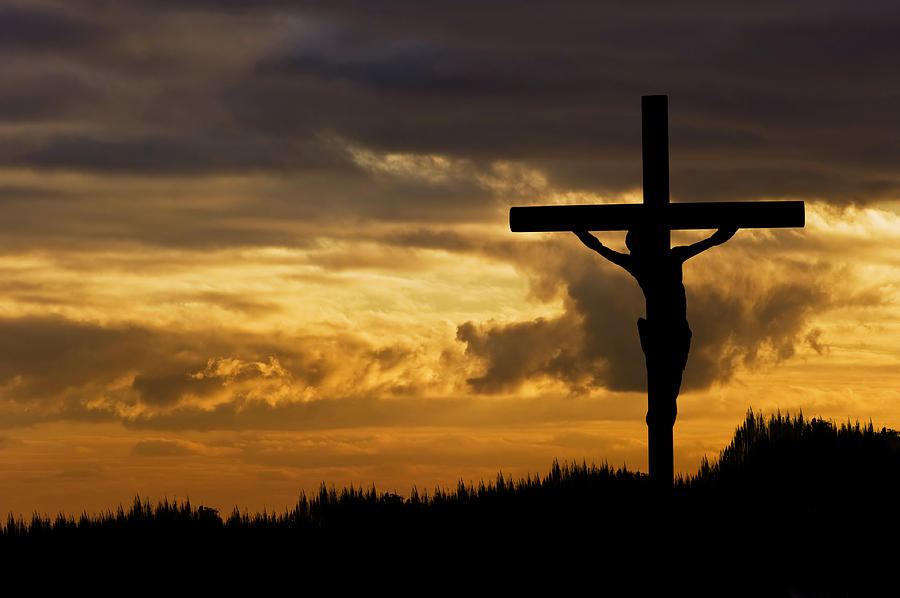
(806, 505)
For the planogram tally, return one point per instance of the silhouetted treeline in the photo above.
(809, 505)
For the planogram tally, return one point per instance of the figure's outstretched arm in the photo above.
(590, 241)
(717, 238)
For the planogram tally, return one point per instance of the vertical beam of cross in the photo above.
(655, 150)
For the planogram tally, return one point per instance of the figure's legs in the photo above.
(666, 349)
(658, 373)
(666, 346)
(660, 419)
(681, 346)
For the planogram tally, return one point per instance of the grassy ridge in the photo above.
(801, 463)
(808, 504)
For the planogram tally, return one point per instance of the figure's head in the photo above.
(637, 240)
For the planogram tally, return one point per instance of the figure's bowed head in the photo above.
(638, 241)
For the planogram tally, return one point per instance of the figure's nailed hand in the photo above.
(586, 238)
(724, 233)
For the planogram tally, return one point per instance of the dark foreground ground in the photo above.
(791, 507)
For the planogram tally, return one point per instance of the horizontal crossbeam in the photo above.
(673, 216)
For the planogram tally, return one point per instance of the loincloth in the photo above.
(669, 339)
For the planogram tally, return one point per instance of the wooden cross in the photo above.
(657, 217)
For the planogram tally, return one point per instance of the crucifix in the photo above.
(664, 333)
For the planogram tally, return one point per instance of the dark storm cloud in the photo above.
(774, 100)
(62, 370)
(48, 100)
(739, 317)
(24, 28)
(46, 360)
(57, 369)
(60, 363)
(40, 214)
(413, 67)
(731, 328)
(42, 357)
(176, 152)
(166, 388)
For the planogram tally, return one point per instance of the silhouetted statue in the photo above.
(665, 334)
(667, 341)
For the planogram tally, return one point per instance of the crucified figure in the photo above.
(665, 334)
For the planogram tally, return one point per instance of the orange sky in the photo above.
(245, 251)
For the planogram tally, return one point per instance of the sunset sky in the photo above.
(247, 247)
